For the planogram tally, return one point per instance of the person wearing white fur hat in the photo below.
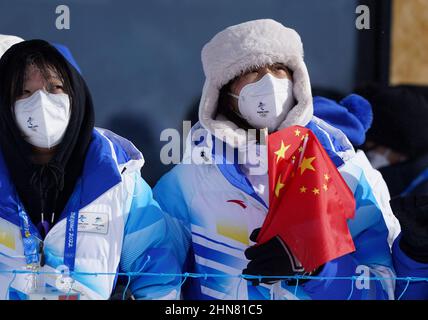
(252, 69)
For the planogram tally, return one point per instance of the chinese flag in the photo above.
(309, 202)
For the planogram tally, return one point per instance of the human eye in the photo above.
(56, 88)
(25, 93)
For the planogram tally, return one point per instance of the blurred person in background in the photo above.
(397, 144)
(353, 115)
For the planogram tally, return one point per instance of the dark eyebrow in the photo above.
(54, 78)
(51, 79)
(247, 71)
(279, 64)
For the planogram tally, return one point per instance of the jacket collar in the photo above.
(100, 173)
(333, 140)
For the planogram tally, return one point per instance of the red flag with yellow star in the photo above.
(309, 202)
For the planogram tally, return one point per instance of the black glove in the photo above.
(412, 212)
(272, 258)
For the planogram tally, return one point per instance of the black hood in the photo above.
(399, 176)
(44, 188)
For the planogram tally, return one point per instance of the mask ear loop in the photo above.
(237, 113)
(233, 95)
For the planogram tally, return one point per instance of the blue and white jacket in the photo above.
(200, 197)
(138, 235)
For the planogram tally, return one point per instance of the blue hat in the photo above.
(353, 115)
(67, 55)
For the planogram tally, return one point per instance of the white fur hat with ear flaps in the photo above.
(244, 46)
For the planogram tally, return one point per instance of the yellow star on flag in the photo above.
(306, 164)
(300, 149)
(279, 186)
(280, 153)
(303, 189)
(325, 187)
(316, 191)
(326, 177)
(297, 132)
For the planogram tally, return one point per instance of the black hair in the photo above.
(46, 60)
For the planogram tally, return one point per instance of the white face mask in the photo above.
(265, 103)
(43, 118)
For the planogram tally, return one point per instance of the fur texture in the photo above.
(243, 46)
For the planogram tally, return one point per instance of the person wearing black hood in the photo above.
(72, 195)
(397, 144)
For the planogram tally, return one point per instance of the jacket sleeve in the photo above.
(372, 257)
(380, 193)
(407, 267)
(170, 194)
(152, 244)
